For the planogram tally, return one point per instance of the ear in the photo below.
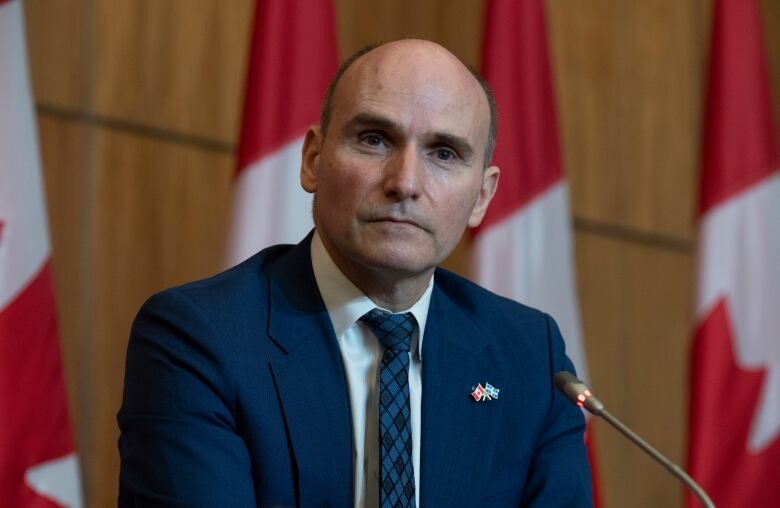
(310, 160)
(486, 193)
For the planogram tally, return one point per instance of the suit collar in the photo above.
(310, 382)
(297, 312)
(462, 330)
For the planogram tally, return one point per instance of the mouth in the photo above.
(397, 221)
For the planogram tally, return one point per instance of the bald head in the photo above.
(422, 62)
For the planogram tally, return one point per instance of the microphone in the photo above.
(579, 393)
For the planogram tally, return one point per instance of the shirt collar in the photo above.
(346, 304)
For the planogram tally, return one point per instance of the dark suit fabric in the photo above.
(235, 396)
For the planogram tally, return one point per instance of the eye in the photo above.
(444, 154)
(372, 139)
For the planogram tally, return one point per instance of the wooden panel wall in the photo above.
(138, 106)
(629, 80)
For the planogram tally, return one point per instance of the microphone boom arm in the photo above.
(578, 392)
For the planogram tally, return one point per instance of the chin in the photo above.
(399, 261)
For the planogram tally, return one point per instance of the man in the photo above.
(348, 370)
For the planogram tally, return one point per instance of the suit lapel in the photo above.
(310, 382)
(457, 431)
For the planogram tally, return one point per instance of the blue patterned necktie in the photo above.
(394, 331)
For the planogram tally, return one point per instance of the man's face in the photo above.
(400, 174)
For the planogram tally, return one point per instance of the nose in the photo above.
(402, 178)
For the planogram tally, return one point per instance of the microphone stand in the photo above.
(578, 392)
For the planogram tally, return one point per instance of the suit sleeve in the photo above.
(179, 445)
(559, 473)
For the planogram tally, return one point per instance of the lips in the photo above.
(397, 220)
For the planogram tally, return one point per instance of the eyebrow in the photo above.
(460, 144)
(370, 120)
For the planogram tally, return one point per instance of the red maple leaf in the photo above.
(722, 408)
(32, 390)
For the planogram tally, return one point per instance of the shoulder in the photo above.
(216, 310)
(521, 334)
(486, 307)
(229, 292)
(235, 282)
(212, 326)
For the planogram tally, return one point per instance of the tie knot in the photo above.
(394, 331)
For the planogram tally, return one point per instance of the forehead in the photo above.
(417, 85)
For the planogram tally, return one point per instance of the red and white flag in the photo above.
(38, 464)
(292, 59)
(523, 248)
(735, 381)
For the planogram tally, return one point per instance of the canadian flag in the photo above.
(735, 380)
(38, 464)
(292, 58)
(523, 248)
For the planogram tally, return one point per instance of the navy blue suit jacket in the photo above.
(235, 396)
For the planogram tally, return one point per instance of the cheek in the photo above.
(344, 188)
(351, 182)
(458, 199)
(455, 208)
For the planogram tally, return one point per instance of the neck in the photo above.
(390, 289)
(391, 293)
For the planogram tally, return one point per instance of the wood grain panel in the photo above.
(636, 310)
(55, 44)
(771, 15)
(177, 65)
(627, 80)
(61, 145)
(159, 218)
(455, 24)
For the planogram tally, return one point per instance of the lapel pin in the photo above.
(487, 392)
(491, 390)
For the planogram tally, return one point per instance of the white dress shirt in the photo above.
(362, 354)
